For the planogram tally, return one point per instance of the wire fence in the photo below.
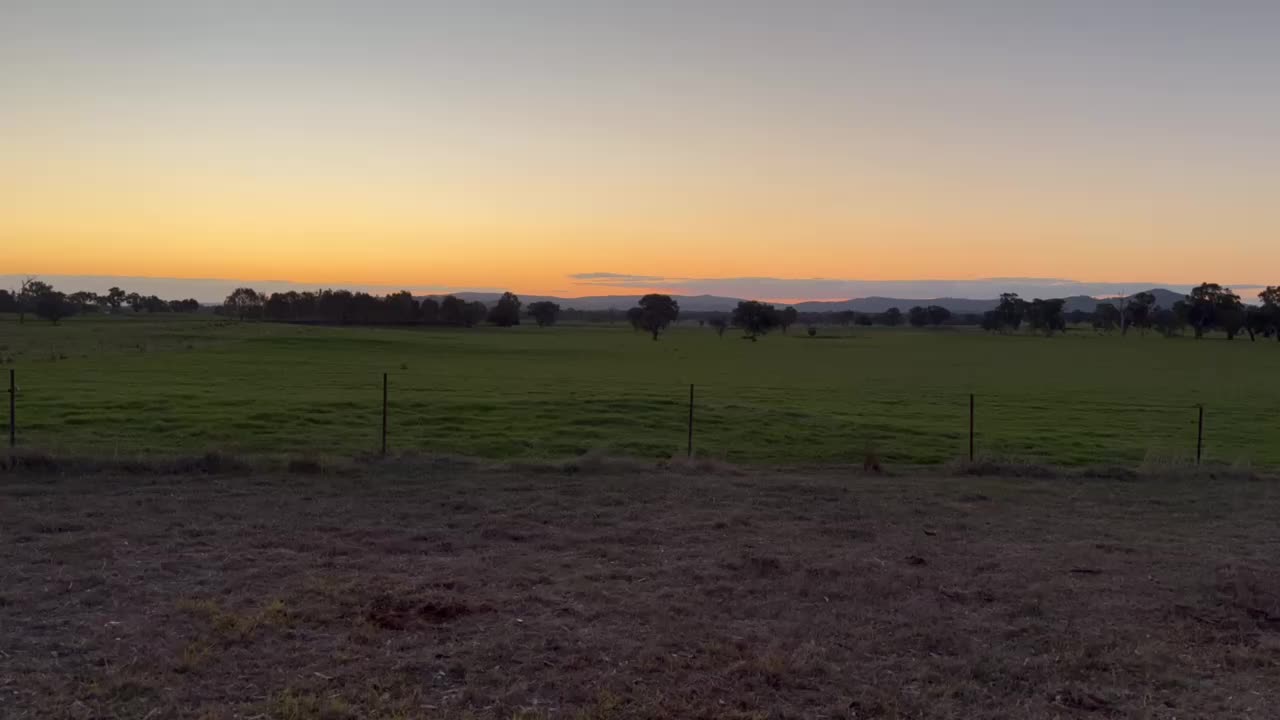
(753, 424)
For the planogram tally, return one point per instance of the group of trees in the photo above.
(343, 307)
(1209, 306)
(932, 315)
(39, 298)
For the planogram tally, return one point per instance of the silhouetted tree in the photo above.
(115, 298)
(8, 303)
(719, 324)
(1256, 323)
(787, 318)
(1207, 303)
(400, 308)
(918, 316)
(1106, 317)
(846, 317)
(1137, 312)
(1165, 321)
(1046, 316)
(937, 314)
(1271, 309)
(755, 318)
(453, 310)
(506, 312)
(1012, 309)
(864, 319)
(241, 303)
(891, 317)
(657, 312)
(53, 306)
(992, 321)
(544, 312)
(476, 312)
(635, 316)
(1231, 318)
(429, 310)
(29, 291)
(84, 301)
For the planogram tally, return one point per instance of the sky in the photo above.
(797, 150)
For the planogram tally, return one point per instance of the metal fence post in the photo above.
(13, 408)
(970, 427)
(689, 447)
(1200, 435)
(384, 413)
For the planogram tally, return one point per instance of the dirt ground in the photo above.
(437, 590)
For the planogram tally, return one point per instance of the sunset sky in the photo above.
(538, 145)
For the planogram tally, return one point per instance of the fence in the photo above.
(745, 424)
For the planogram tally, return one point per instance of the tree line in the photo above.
(344, 307)
(36, 297)
(1208, 307)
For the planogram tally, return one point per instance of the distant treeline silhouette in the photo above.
(39, 298)
(1208, 307)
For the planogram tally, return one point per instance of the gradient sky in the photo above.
(528, 145)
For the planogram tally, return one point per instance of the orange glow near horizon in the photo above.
(156, 143)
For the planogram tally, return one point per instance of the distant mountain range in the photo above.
(716, 303)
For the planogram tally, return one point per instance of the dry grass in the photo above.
(438, 589)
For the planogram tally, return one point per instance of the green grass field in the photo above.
(171, 384)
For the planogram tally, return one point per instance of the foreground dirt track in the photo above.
(438, 591)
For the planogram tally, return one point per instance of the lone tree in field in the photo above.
(719, 324)
(53, 306)
(506, 312)
(755, 318)
(1106, 317)
(787, 318)
(891, 317)
(544, 313)
(656, 313)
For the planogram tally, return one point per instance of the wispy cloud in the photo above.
(818, 288)
(620, 279)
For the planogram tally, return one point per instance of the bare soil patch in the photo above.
(457, 592)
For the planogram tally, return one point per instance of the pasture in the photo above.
(441, 590)
(131, 385)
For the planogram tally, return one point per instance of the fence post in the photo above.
(384, 413)
(970, 427)
(1200, 435)
(689, 447)
(13, 409)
